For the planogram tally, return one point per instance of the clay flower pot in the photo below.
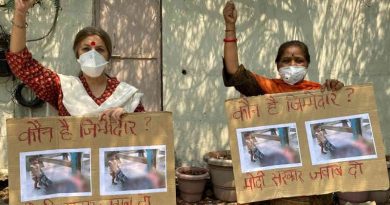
(222, 177)
(191, 182)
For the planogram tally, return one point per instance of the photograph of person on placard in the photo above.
(268, 147)
(132, 170)
(340, 139)
(55, 173)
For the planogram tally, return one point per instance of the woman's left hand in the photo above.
(113, 113)
(332, 85)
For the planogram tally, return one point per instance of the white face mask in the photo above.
(292, 74)
(92, 63)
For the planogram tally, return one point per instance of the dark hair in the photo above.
(89, 31)
(33, 158)
(247, 134)
(298, 44)
(113, 154)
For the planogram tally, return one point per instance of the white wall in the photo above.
(348, 40)
(55, 52)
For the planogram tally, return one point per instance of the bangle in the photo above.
(18, 25)
(227, 30)
(229, 40)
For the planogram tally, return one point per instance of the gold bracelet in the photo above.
(18, 25)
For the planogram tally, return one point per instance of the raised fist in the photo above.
(230, 13)
(24, 5)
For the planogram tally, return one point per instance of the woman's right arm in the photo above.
(43, 81)
(230, 47)
(233, 74)
(18, 34)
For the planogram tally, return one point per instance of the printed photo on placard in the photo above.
(340, 139)
(133, 170)
(55, 173)
(268, 147)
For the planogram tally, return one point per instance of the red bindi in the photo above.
(93, 43)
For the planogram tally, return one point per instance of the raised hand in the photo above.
(22, 6)
(230, 13)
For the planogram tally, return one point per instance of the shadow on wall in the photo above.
(348, 40)
(135, 30)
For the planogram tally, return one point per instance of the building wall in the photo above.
(54, 51)
(348, 40)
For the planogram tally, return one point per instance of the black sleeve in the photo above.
(243, 80)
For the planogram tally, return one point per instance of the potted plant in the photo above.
(222, 177)
(191, 182)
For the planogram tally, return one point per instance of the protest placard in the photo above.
(306, 143)
(81, 160)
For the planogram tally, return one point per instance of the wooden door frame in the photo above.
(96, 15)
